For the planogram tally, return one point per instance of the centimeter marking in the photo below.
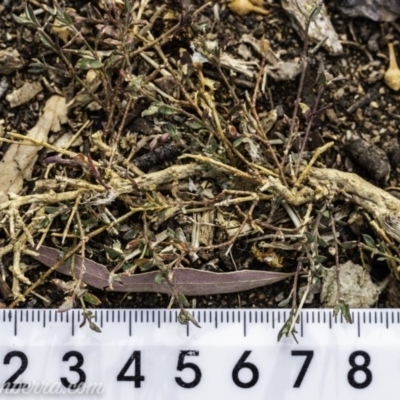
(147, 354)
(275, 318)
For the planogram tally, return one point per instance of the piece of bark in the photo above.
(377, 10)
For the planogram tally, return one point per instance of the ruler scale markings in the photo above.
(368, 367)
(301, 325)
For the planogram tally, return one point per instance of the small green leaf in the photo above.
(347, 245)
(310, 237)
(47, 41)
(42, 223)
(238, 142)
(65, 18)
(51, 209)
(159, 278)
(319, 259)
(144, 264)
(185, 317)
(322, 243)
(112, 61)
(31, 15)
(37, 68)
(166, 110)
(91, 299)
(194, 124)
(22, 20)
(94, 327)
(113, 253)
(368, 240)
(183, 300)
(344, 309)
(153, 109)
(89, 63)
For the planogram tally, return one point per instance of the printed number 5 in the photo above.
(182, 365)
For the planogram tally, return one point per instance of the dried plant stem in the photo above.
(316, 154)
(337, 263)
(228, 168)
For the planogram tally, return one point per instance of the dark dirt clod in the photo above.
(370, 157)
(156, 157)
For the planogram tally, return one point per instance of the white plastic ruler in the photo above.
(148, 354)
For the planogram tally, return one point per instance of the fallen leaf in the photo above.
(190, 282)
(320, 27)
(20, 159)
(25, 93)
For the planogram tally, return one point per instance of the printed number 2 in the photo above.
(309, 354)
(9, 383)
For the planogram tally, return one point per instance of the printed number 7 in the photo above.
(309, 354)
